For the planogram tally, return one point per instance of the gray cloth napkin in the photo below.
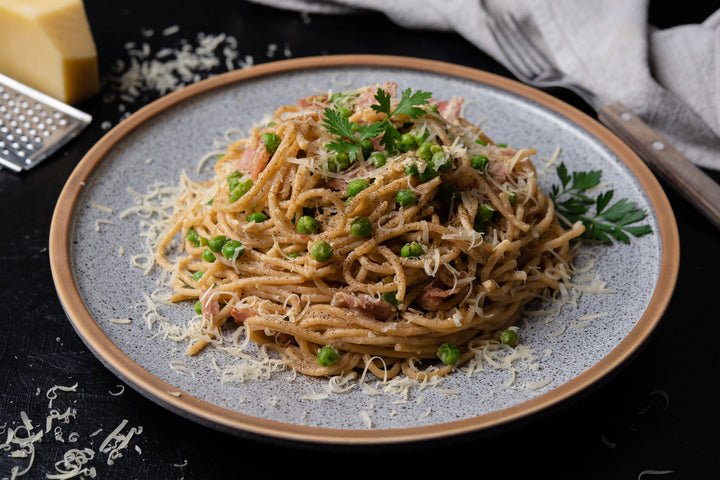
(668, 77)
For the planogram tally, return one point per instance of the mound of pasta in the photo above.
(367, 229)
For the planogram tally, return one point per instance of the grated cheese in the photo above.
(51, 394)
(119, 392)
(654, 472)
(102, 208)
(22, 442)
(115, 442)
(121, 321)
(366, 417)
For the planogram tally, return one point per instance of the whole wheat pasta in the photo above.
(456, 236)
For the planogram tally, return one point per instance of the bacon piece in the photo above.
(432, 296)
(496, 168)
(240, 314)
(367, 96)
(253, 160)
(498, 159)
(209, 303)
(450, 109)
(337, 183)
(312, 105)
(363, 303)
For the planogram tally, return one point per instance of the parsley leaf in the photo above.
(609, 221)
(407, 106)
(346, 139)
(384, 104)
(337, 124)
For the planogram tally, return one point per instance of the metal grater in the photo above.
(33, 125)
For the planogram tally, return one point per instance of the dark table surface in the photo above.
(659, 413)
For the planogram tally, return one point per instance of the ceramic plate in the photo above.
(92, 244)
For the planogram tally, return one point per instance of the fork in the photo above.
(532, 67)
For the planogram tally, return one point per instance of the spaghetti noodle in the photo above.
(376, 249)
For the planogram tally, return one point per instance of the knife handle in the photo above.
(679, 172)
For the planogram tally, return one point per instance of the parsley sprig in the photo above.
(346, 139)
(408, 105)
(609, 221)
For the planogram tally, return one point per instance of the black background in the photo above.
(657, 413)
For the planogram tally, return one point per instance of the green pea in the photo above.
(441, 161)
(208, 256)
(307, 225)
(406, 142)
(425, 151)
(509, 337)
(449, 194)
(257, 217)
(243, 186)
(233, 178)
(216, 243)
(271, 141)
(293, 255)
(448, 353)
(342, 160)
(406, 198)
(360, 227)
(198, 307)
(378, 159)
(367, 147)
(428, 174)
(233, 249)
(321, 251)
(356, 186)
(344, 110)
(337, 98)
(327, 355)
(484, 213)
(193, 237)
(411, 169)
(390, 297)
(412, 249)
(479, 162)
(197, 275)
(331, 166)
(420, 138)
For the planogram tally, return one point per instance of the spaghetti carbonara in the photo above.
(366, 229)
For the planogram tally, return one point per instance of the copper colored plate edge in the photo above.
(232, 422)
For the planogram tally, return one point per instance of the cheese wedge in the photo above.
(48, 45)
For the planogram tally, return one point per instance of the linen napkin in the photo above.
(668, 77)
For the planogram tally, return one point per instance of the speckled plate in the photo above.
(91, 246)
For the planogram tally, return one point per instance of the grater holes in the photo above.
(29, 127)
(25, 125)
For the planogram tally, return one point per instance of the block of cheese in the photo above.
(48, 45)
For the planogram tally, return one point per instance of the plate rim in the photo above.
(214, 416)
